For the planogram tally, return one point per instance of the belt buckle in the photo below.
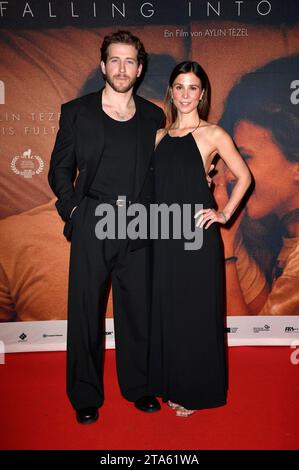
(120, 202)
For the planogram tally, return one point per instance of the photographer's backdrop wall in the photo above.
(50, 55)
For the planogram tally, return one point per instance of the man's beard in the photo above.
(120, 88)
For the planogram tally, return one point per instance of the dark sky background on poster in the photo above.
(38, 14)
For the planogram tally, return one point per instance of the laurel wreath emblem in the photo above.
(27, 173)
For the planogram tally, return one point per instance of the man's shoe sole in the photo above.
(148, 410)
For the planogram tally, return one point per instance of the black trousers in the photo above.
(92, 263)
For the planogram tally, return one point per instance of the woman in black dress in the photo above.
(187, 359)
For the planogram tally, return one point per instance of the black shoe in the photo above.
(87, 415)
(147, 404)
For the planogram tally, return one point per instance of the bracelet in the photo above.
(230, 258)
(225, 218)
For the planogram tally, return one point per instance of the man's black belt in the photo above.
(110, 199)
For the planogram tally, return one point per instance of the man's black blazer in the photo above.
(79, 147)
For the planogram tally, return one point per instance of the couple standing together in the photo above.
(113, 143)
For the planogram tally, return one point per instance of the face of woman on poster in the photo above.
(274, 176)
(186, 92)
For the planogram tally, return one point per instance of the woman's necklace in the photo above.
(196, 126)
(191, 132)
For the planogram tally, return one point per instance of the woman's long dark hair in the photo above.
(204, 104)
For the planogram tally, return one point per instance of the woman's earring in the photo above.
(171, 99)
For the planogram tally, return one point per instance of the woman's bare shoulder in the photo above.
(211, 130)
(159, 135)
(160, 132)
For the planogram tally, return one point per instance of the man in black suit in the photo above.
(104, 149)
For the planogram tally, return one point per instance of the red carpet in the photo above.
(262, 410)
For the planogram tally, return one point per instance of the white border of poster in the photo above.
(241, 331)
(42, 336)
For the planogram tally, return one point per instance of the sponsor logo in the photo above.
(50, 336)
(258, 329)
(22, 337)
(291, 329)
(231, 329)
(27, 165)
